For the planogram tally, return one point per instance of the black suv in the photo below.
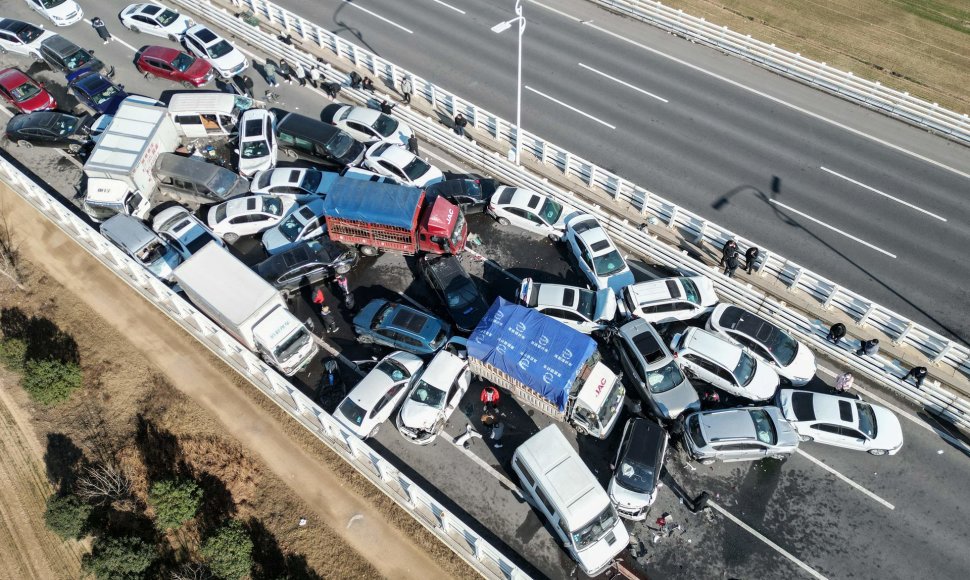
(65, 56)
(307, 263)
(455, 288)
(316, 141)
(471, 195)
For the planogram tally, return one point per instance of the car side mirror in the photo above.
(236, 151)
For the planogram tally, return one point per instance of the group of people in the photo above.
(731, 258)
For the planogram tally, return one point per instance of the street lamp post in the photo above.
(498, 29)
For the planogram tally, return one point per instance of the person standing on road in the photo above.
(729, 248)
(329, 322)
(751, 258)
(733, 263)
(248, 85)
(407, 89)
(836, 333)
(102, 29)
(413, 145)
(269, 71)
(460, 124)
(868, 347)
(490, 397)
(286, 71)
(315, 76)
(918, 374)
(300, 73)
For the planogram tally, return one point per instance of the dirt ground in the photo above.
(211, 422)
(910, 45)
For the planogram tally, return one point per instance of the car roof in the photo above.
(372, 387)
(167, 217)
(728, 424)
(827, 408)
(592, 234)
(443, 369)
(253, 119)
(445, 267)
(60, 45)
(647, 440)
(713, 346)
(287, 175)
(245, 205)
(149, 8)
(645, 340)
(163, 52)
(747, 323)
(15, 26)
(363, 115)
(203, 34)
(655, 290)
(559, 295)
(91, 81)
(408, 319)
(37, 119)
(12, 75)
(306, 127)
(397, 155)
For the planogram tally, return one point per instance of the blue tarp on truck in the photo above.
(371, 202)
(534, 349)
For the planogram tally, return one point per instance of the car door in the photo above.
(361, 132)
(147, 24)
(195, 47)
(393, 171)
(755, 348)
(827, 433)
(585, 262)
(633, 370)
(36, 5)
(523, 219)
(743, 451)
(702, 369)
(161, 68)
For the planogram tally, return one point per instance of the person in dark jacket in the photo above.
(248, 85)
(751, 258)
(355, 80)
(386, 107)
(729, 248)
(368, 85)
(269, 71)
(460, 124)
(331, 89)
(868, 347)
(413, 145)
(329, 322)
(102, 29)
(918, 374)
(836, 333)
(733, 263)
(286, 71)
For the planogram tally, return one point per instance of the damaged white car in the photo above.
(436, 395)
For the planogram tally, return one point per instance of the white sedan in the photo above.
(245, 216)
(257, 148)
(530, 211)
(436, 395)
(578, 308)
(22, 37)
(293, 182)
(183, 230)
(379, 393)
(366, 125)
(156, 20)
(841, 421)
(397, 162)
(225, 58)
(60, 12)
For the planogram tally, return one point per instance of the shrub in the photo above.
(125, 558)
(175, 501)
(13, 353)
(50, 381)
(67, 516)
(229, 551)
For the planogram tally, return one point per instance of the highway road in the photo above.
(824, 513)
(875, 205)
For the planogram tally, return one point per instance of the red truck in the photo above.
(378, 217)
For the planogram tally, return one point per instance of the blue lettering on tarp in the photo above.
(533, 349)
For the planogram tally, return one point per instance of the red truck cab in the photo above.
(443, 228)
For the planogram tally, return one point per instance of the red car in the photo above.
(24, 93)
(174, 65)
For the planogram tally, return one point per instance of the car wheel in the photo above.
(706, 462)
(503, 221)
(781, 456)
(134, 29)
(555, 238)
(73, 148)
(877, 452)
(149, 76)
(342, 269)
(373, 432)
(291, 153)
(369, 250)
(188, 85)
(173, 38)
(582, 430)
(805, 438)
(231, 238)
(24, 144)
(362, 339)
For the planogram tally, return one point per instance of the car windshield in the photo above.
(311, 180)
(28, 34)
(867, 420)
(78, 59)
(220, 49)
(635, 476)
(167, 17)
(416, 168)
(65, 124)
(223, 183)
(220, 210)
(272, 205)
(461, 292)
(782, 347)
(106, 95)
(611, 403)
(291, 227)
(28, 90)
(339, 144)
(254, 149)
(52, 3)
(744, 372)
(691, 291)
(385, 126)
(393, 369)
(428, 395)
(182, 62)
(694, 430)
(352, 411)
(551, 211)
(196, 244)
(608, 264)
(596, 529)
(764, 427)
(665, 378)
(292, 345)
(587, 303)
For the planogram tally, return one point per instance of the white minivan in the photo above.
(566, 492)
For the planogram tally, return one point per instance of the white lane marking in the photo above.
(762, 94)
(845, 479)
(484, 465)
(624, 83)
(833, 228)
(118, 40)
(377, 16)
(574, 109)
(761, 537)
(886, 195)
(458, 10)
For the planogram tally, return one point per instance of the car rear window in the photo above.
(506, 195)
(648, 346)
(803, 406)
(352, 411)
(205, 35)
(584, 226)
(694, 430)
(253, 127)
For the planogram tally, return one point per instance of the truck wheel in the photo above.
(24, 144)
(503, 221)
(173, 38)
(364, 339)
(877, 452)
(369, 250)
(582, 430)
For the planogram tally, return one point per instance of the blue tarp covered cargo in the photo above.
(537, 351)
(371, 202)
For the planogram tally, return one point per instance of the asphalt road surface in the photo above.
(875, 205)
(855, 517)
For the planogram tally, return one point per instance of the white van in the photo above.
(565, 491)
(200, 114)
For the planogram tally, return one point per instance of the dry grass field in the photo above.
(919, 46)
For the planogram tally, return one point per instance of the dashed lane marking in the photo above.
(844, 478)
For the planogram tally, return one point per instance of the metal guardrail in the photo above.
(867, 93)
(952, 407)
(447, 527)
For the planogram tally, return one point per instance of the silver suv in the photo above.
(745, 434)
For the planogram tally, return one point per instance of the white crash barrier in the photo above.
(940, 350)
(448, 528)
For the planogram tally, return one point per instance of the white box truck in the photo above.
(120, 167)
(247, 307)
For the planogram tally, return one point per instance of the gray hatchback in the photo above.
(745, 434)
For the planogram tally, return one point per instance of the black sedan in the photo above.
(50, 129)
(306, 263)
(455, 288)
(471, 194)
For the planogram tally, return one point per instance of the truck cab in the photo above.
(596, 407)
(291, 343)
(443, 229)
(108, 197)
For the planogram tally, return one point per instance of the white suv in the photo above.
(577, 308)
(22, 37)
(669, 299)
(597, 257)
(257, 141)
(723, 364)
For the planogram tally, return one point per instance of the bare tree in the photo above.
(103, 483)
(9, 252)
(192, 571)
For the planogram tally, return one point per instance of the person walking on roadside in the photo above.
(489, 398)
(300, 73)
(269, 71)
(868, 347)
(329, 322)
(751, 258)
(102, 29)
(248, 85)
(918, 374)
(286, 71)
(460, 124)
(729, 248)
(836, 333)
(355, 80)
(407, 89)
(733, 263)
(332, 89)
(413, 145)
